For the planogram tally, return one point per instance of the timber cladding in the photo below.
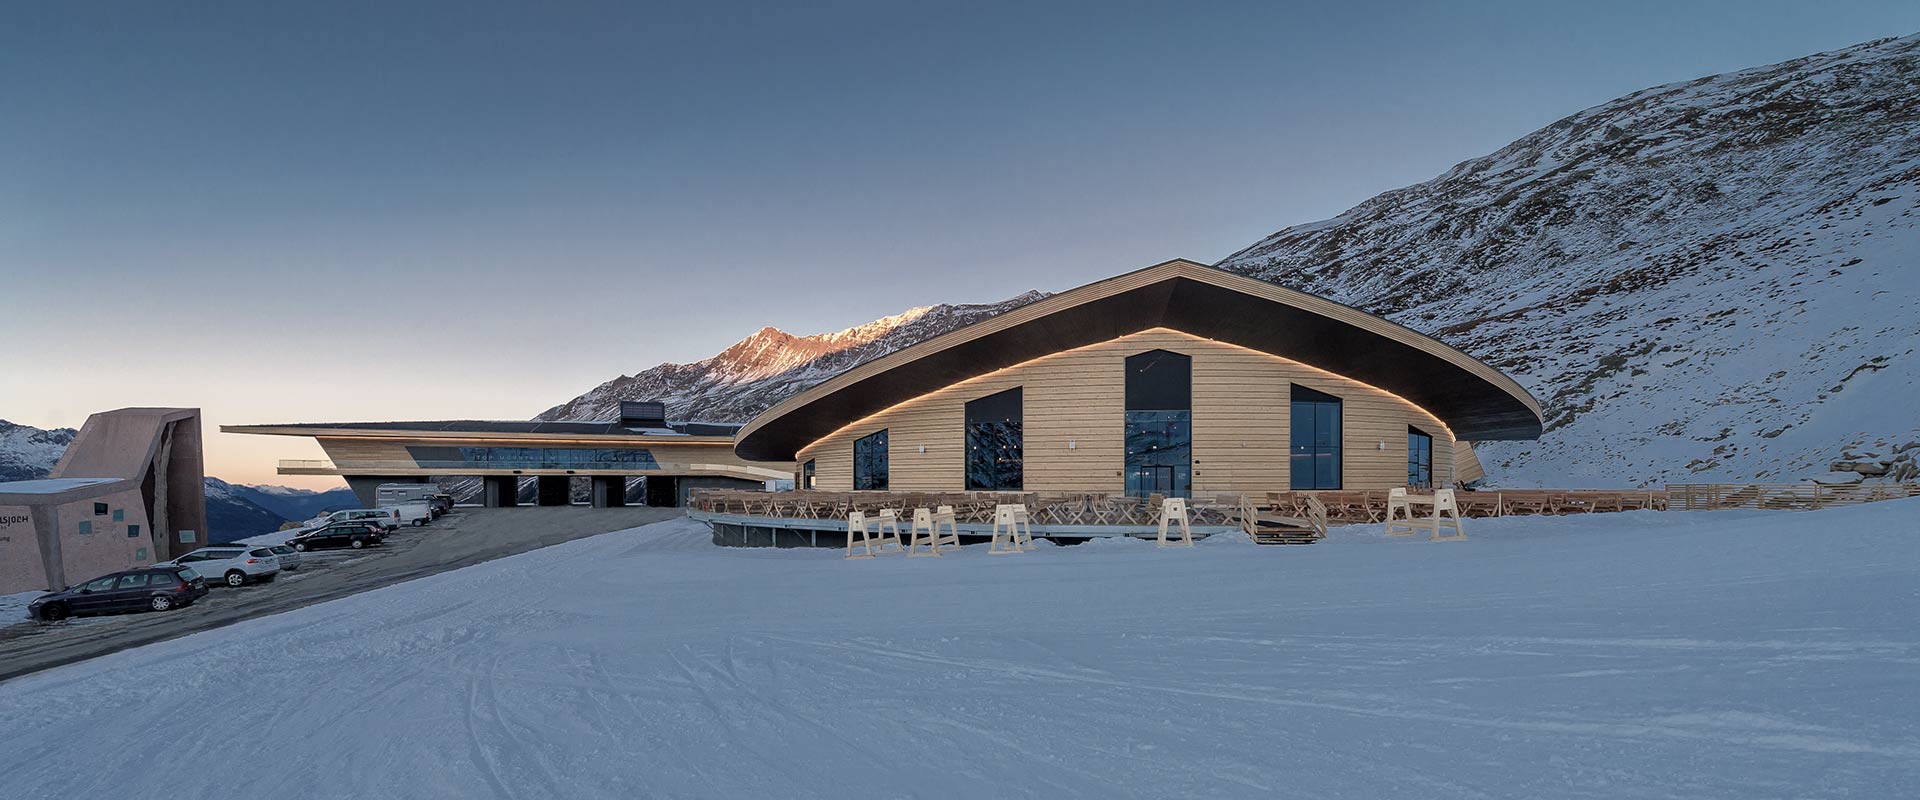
(350, 450)
(1073, 423)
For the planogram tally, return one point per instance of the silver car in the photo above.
(231, 564)
(289, 558)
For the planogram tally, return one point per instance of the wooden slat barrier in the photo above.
(1783, 496)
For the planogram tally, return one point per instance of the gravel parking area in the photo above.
(465, 537)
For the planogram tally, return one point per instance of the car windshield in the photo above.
(280, 549)
(261, 553)
(187, 574)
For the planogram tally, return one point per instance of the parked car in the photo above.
(350, 533)
(157, 588)
(232, 564)
(289, 558)
(386, 517)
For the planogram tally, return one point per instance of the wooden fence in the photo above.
(1783, 496)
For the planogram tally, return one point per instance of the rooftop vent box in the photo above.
(643, 414)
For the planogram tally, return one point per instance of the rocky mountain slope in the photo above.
(27, 453)
(1708, 280)
(767, 367)
(1712, 280)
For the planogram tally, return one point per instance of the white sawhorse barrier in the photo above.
(861, 535)
(1011, 533)
(926, 532)
(1174, 509)
(1399, 513)
(1446, 514)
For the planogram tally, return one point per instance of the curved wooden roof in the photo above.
(1475, 400)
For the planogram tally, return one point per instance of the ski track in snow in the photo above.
(1726, 654)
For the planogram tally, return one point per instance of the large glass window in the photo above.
(532, 457)
(1419, 459)
(1315, 451)
(1159, 424)
(806, 475)
(870, 461)
(994, 442)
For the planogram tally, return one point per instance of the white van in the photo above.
(413, 512)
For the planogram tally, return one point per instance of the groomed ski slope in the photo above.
(1728, 654)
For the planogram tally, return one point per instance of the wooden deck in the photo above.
(1784, 496)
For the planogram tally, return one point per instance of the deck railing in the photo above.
(1100, 508)
(1784, 496)
(1043, 508)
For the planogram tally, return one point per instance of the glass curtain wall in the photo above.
(995, 442)
(870, 461)
(1159, 424)
(1419, 459)
(1315, 445)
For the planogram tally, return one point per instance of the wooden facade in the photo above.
(1073, 423)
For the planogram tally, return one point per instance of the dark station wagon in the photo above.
(150, 589)
(355, 533)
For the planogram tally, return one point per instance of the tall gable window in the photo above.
(870, 461)
(1419, 459)
(995, 442)
(1315, 443)
(1159, 424)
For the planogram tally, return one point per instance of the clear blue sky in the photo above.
(227, 205)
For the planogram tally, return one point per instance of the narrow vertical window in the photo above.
(1314, 450)
(995, 442)
(806, 475)
(1159, 424)
(1419, 459)
(870, 461)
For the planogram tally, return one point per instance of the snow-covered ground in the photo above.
(1728, 654)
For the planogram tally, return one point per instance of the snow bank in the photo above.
(1729, 654)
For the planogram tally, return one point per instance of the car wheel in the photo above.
(419, 523)
(302, 547)
(54, 613)
(161, 603)
(358, 543)
(236, 578)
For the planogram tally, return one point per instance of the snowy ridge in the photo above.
(28, 453)
(1707, 280)
(771, 365)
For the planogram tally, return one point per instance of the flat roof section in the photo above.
(53, 491)
(691, 432)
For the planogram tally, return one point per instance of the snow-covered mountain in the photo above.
(27, 453)
(297, 504)
(1708, 280)
(771, 365)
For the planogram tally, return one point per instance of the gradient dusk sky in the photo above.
(403, 210)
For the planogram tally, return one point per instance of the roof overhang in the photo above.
(357, 431)
(1476, 401)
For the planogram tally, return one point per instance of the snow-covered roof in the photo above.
(51, 485)
(48, 491)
